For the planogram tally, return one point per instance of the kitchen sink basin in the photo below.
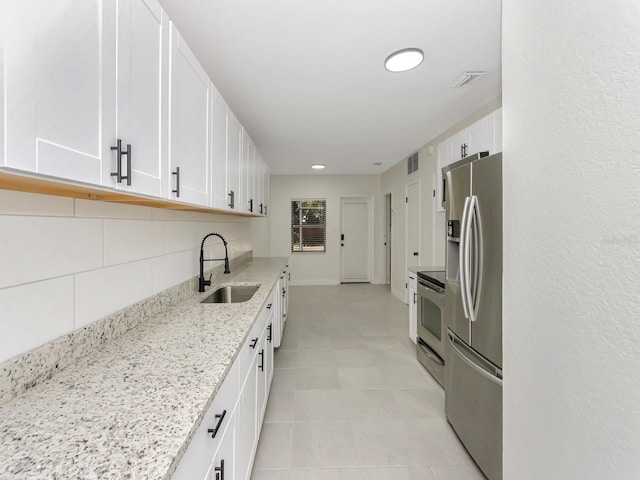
(232, 294)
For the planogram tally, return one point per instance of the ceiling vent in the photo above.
(467, 78)
(412, 163)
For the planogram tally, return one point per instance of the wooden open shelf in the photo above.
(25, 182)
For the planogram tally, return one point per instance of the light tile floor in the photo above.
(349, 401)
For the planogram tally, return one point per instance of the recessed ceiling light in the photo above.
(404, 60)
(317, 166)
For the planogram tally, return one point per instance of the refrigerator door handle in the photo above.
(462, 258)
(471, 284)
(494, 374)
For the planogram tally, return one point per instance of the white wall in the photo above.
(322, 268)
(571, 240)
(65, 263)
(432, 222)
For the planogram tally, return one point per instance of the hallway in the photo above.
(349, 401)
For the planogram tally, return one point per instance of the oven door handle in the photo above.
(427, 351)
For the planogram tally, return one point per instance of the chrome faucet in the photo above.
(201, 281)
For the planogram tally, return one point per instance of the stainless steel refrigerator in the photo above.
(473, 307)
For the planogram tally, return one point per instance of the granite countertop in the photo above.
(432, 269)
(130, 409)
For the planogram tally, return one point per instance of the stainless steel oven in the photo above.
(432, 330)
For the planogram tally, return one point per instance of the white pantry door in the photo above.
(355, 241)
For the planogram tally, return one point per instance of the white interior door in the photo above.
(355, 239)
(413, 224)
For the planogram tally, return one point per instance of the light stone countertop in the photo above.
(432, 269)
(130, 409)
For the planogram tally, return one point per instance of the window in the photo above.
(308, 220)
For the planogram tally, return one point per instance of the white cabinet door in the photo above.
(234, 152)
(479, 136)
(190, 94)
(252, 191)
(277, 312)
(142, 98)
(269, 360)
(457, 143)
(443, 158)
(258, 181)
(219, 152)
(266, 179)
(262, 385)
(56, 71)
(413, 306)
(223, 465)
(247, 199)
(286, 277)
(245, 439)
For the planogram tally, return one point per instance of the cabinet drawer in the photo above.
(197, 459)
(249, 349)
(412, 280)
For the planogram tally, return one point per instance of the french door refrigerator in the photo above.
(473, 307)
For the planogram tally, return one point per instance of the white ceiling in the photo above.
(307, 80)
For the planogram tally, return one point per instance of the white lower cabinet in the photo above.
(208, 437)
(281, 304)
(412, 284)
(225, 443)
(223, 465)
(246, 435)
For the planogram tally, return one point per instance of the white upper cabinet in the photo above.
(53, 67)
(234, 152)
(81, 78)
(266, 185)
(142, 97)
(484, 135)
(257, 182)
(248, 175)
(245, 198)
(190, 94)
(220, 110)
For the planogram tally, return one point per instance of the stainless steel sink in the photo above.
(232, 294)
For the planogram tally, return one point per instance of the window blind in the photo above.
(308, 226)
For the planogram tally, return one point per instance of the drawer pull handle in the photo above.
(214, 431)
(270, 328)
(254, 342)
(177, 174)
(269, 306)
(119, 154)
(261, 366)
(220, 471)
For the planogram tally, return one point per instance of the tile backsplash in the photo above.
(66, 263)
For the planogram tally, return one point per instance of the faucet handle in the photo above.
(208, 282)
